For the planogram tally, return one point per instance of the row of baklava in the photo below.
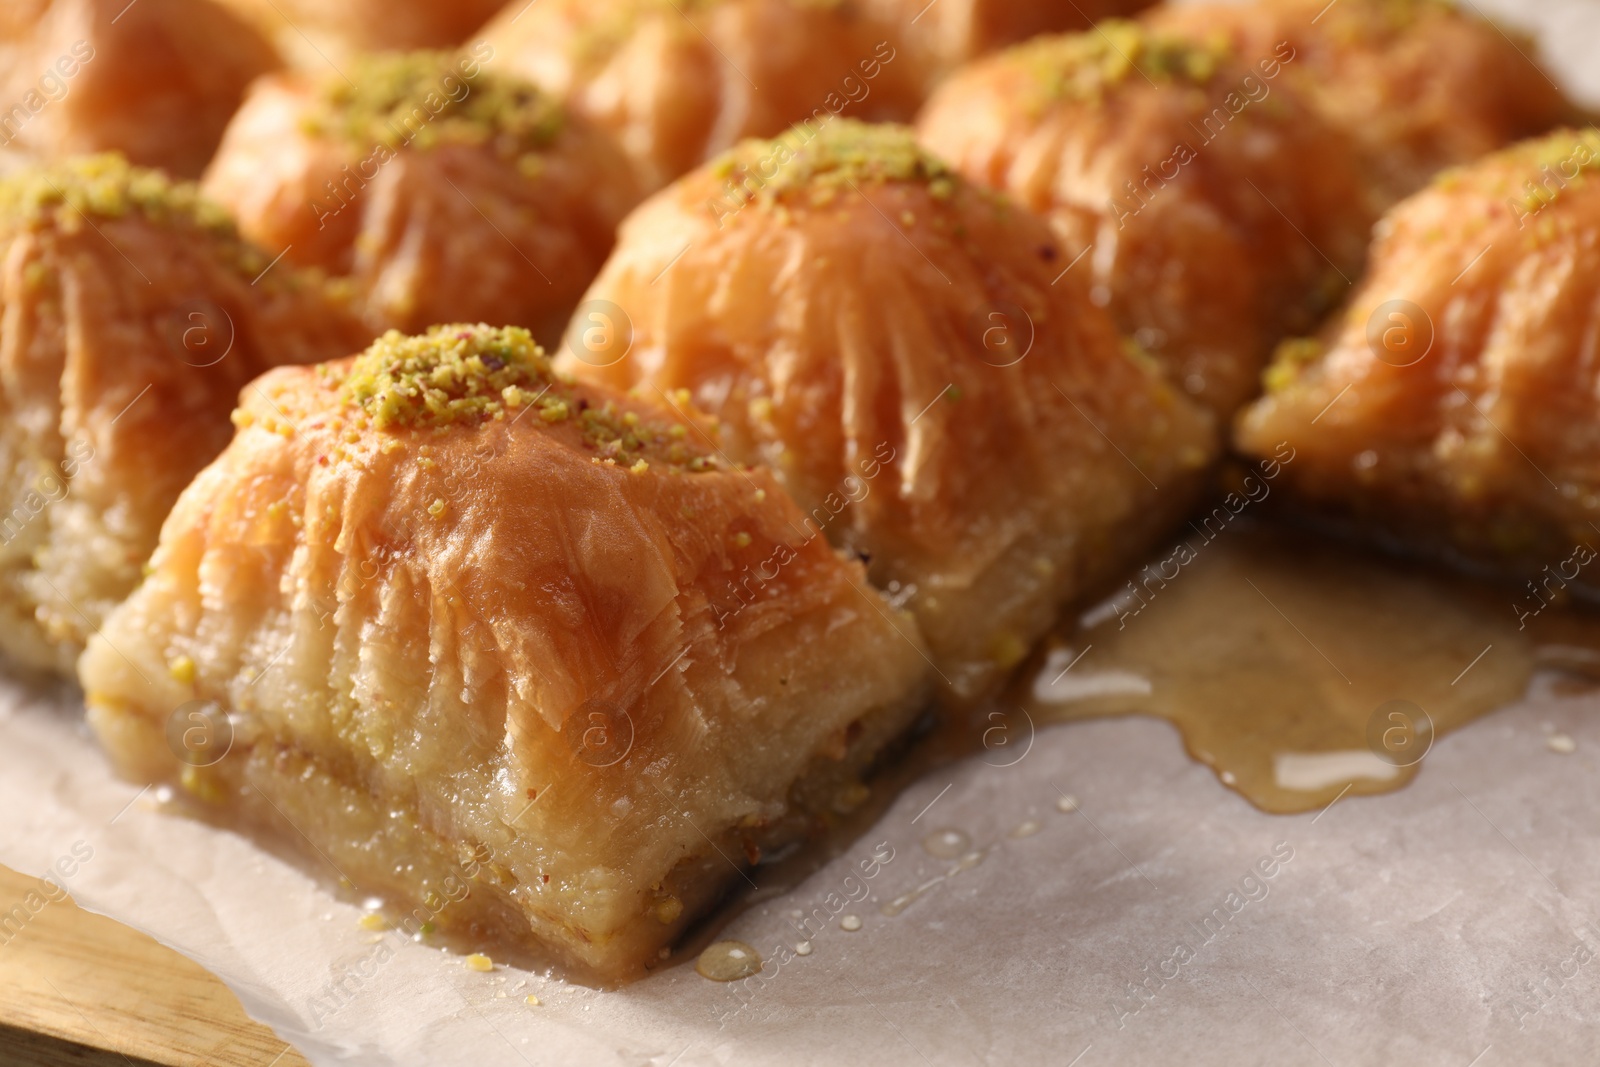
(676, 80)
(452, 598)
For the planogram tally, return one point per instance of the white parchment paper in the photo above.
(1421, 928)
(1455, 923)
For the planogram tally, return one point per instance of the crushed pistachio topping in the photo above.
(72, 194)
(1290, 361)
(423, 99)
(106, 186)
(463, 375)
(449, 375)
(1084, 66)
(831, 159)
(1538, 171)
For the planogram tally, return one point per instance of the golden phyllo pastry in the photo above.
(1213, 211)
(1456, 401)
(445, 191)
(320, 34)
(461, 611)
(943, 35)
(914, 358)
(1419, 85)
(680, 80)
(155, 80)
(131, 315)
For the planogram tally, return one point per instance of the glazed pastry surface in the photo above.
(678, 83)
(1419, 85)
(916, 360)
(951, 32)
(459, 608)
(443, 190)
(1212, 208)
(155, 81)
(1452, 403)
(131, 314)
(318, 36)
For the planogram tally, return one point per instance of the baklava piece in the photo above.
(155, 80)
(1212, 210)
(442, 190)
(914, 358)
(131, 315)
(514, 650)
(1456, 402)
(1419, 85)
(319, 34)
(679, 82)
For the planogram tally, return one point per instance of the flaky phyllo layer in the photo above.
(1417, 85)
(795, 60)
(919, 364)
(153, 82)
(457, 605)
(1453, 400)
(440, 186)
(1213, 206)
(131, 314)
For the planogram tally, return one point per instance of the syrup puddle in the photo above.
(1298, 668)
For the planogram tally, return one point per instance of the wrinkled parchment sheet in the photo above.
(1455, 923)
(1419, 928)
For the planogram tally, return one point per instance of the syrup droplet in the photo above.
(905, 900)
(900, 903)
(803, 949)
(1067, 804)
(1562, 744)
(946, 844)
(850, 923)
(728, 961)
(1027, 829)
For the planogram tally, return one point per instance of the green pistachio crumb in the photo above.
(464, 375)
(1084, 66)
(817, 164)
(1290, 360)
(424, 99)
(107, 186)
